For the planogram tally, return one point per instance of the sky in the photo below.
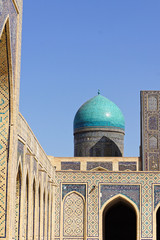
(72, 48)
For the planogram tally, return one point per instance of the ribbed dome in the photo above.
(99, 112)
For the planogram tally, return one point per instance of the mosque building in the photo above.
(96, 195)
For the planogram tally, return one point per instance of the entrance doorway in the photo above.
(119, 222)
(158, 223)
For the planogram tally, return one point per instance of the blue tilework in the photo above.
(66, 188)
(70, 165)
(130, 191)
(156, 195)
(99, 112)
(127, 166)
(4, 130)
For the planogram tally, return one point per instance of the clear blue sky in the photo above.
(72, 48)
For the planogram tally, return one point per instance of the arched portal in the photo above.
(158, 223)
(119, 221)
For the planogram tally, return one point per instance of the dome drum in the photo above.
(99, 129)
(98, 144)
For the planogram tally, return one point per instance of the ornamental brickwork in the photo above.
(150, 133)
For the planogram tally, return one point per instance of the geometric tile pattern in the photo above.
(150, 134)
(153, 161)
(130, 191)
(127, 166)
(66, 188)
(4, 128)
(70, 165)
(153, 123)
(107, 165)
(144, 179)
(7, 8)
(153, 142)
(73, 216)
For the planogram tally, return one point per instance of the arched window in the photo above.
(119, 221)
(18, 205)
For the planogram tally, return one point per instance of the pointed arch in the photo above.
(44, 208)
(153, 142)
(119, 198)
(26, 211)
(39, 211)
(73, 215)
(18, 203)
(6, 110)
(156, 222)
(48, 217)
(34, 207)
(51, 218)
(152, 103)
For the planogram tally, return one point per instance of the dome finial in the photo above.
(98, 92)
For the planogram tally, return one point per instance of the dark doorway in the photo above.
(158, 223)
(119, 222)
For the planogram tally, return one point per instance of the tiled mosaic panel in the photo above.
(152, 103)
(123, 166)
(150, 113)
(7, 7)
(107, 165)
(13, 26)
(73, 216)
(20, 151)
(70, 165)
(156, 195)
(130, 191)
(153, 142)
(153, 123)
(4, 129)
(66, 188)
(153, 161)
(145, 179)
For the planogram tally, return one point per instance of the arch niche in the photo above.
(119, 219)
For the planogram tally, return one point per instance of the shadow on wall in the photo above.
(105, 147)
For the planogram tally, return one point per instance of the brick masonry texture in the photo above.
(98, 143)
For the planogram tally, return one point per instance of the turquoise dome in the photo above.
(99, 112)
